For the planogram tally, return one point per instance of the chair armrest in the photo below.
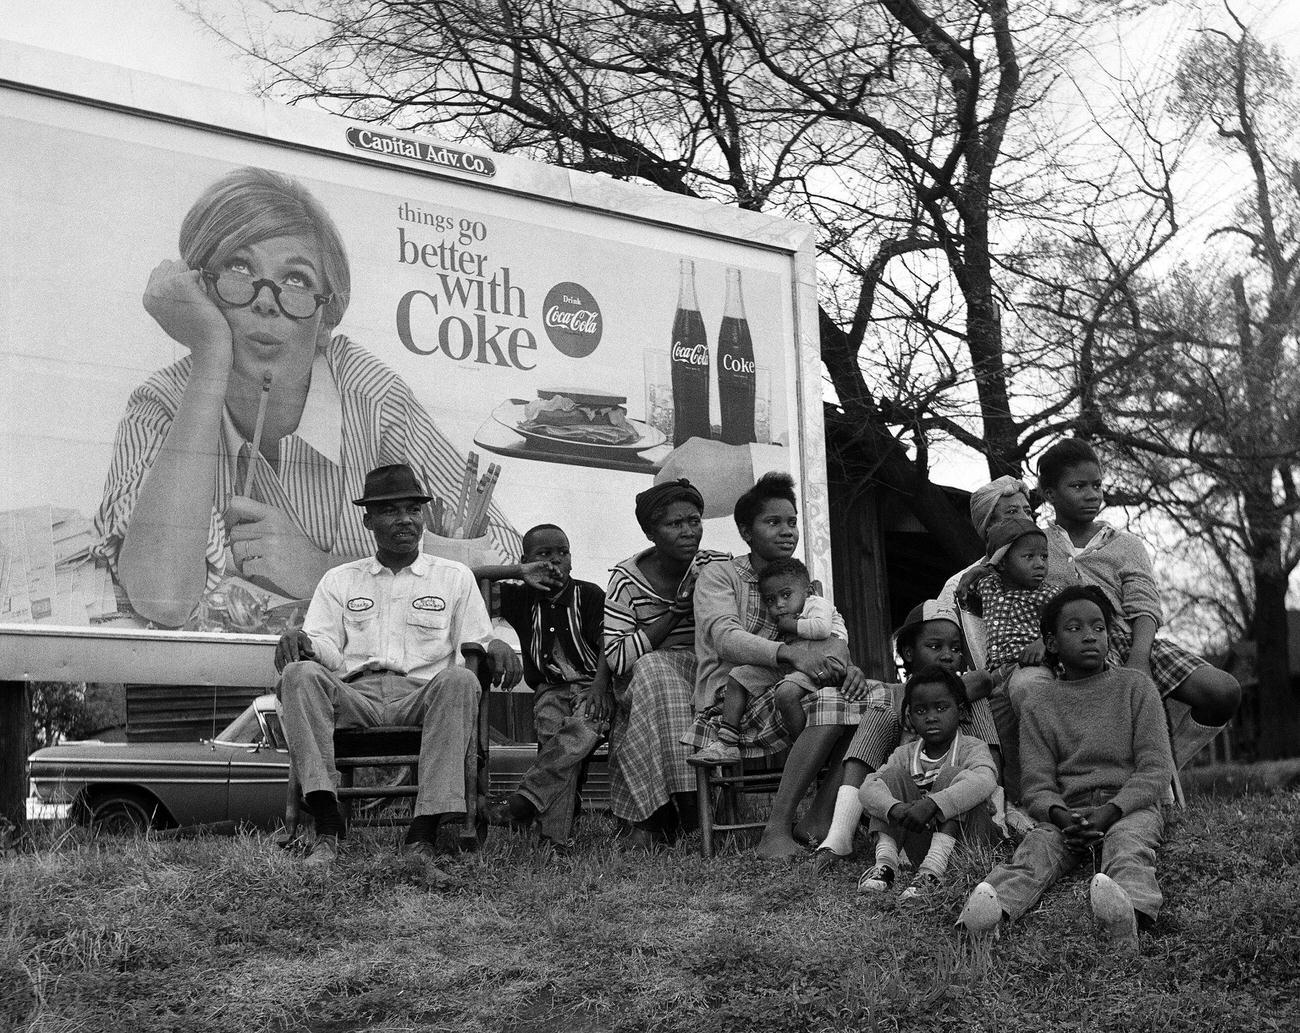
(476, 662)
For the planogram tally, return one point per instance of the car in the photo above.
(239, 776)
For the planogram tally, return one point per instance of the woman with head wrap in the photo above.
(650, 645)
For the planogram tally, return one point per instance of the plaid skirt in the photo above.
(652, 709)
(763, 733)
(1171, 665)
(880, 731)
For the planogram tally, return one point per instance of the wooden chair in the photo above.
(398, 747)
(727, 784)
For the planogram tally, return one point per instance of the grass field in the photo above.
(227, 934)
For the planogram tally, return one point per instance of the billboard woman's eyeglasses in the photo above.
(239, 289)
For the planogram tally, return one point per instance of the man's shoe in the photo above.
(323, 853)
(983, 910)
(714, 754)
(1113, 908)
(422, 852)
(876, 879)
(500, 812)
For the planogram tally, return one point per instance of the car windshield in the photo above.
(274, 733)
(243, 729)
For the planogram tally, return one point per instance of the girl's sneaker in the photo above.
(925, 884)
(876, 879)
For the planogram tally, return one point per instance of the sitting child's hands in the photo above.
(916, 817)
(1034, 654)
(1076, 826)
(1101, 818)
(787, 625)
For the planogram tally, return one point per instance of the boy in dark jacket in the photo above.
(559, 624)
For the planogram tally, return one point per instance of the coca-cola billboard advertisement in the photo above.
(209, 337)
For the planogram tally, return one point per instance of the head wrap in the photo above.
(984, 500)
(665, 495)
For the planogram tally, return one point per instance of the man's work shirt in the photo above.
(414, 621)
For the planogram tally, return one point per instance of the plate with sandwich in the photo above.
(581, 417)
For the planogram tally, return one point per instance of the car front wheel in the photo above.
(125, 813)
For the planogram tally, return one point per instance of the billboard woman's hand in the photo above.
(178, 301)
(270, 548)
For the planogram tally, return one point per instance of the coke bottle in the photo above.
(736, 367)
(690, 363)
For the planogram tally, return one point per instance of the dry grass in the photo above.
(228, 934)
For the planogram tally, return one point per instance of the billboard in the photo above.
(216, 316)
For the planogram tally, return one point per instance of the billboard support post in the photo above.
(15, 726)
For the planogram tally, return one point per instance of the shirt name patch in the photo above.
(360, 604)
(434, 603)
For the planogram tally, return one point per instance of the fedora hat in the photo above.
(388, 483)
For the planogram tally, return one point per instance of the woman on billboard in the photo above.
(242, 457)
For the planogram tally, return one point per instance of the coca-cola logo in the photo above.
(735, 364)
(696, 356)
(572, 319)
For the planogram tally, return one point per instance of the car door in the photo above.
(259, 773)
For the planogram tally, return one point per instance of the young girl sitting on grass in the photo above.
(1095, 764)
(930, 791)
(930, 635)
(1199, 699)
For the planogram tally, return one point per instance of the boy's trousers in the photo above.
(313, 702)
(1128, 855)
(564, 741)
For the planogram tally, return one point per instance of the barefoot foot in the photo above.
(777, 844)
(809, 831)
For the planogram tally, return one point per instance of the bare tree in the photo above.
(886, 125)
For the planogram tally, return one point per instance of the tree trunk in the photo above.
(1279, 706)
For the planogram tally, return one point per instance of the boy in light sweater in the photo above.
(1095, 766)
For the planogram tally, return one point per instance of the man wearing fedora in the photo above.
(380, 645)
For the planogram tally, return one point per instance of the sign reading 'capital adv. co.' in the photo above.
(439, 155)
